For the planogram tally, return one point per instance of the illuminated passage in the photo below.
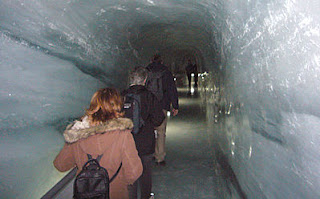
(256, 110)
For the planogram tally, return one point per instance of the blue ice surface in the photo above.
(261, 91)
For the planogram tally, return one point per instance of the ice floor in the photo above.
(189, 172)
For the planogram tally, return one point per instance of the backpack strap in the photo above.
(115, 175)
(99, 158)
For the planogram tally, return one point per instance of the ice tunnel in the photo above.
(260, 65)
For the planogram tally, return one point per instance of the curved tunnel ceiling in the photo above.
(91, 36)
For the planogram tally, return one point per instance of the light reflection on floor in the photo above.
(190, 170)
(196, 167)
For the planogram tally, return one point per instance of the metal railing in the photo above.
(60, 185)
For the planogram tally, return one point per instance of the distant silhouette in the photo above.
(192, 68)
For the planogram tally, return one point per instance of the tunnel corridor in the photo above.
(257, 106)
(192, 170)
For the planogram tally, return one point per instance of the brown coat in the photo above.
(114, 140)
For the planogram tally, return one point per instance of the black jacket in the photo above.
(152, 114)
(190, 68)
(170, 93)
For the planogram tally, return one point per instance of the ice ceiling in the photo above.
(261, 54)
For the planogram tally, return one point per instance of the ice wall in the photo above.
(271, 68)
(39, 94)
(263, 58)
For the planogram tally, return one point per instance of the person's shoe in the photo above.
(162, 163)
(151, 196)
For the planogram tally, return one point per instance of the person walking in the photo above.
(103, 130)
(195, 72)
(189, 71)
(192, 68)
(152, 115)
(169, 98)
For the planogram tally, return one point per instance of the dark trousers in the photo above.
(189, 79)
(145, 180)
(195, 79)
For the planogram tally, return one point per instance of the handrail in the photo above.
(60, 185)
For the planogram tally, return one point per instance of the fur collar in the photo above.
(80, 129)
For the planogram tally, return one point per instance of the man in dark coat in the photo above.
(192, 68)
(170, 97)
(151, 113)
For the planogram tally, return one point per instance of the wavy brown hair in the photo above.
(105, 104)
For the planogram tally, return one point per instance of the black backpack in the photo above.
(132, 109)
(93, 181)
(154, 83)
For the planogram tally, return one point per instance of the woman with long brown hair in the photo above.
(102, 130)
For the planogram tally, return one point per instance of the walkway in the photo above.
(189, 172)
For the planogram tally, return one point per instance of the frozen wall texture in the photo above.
(272, 67)
(263, 59)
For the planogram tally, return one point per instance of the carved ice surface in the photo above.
(263, 59)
